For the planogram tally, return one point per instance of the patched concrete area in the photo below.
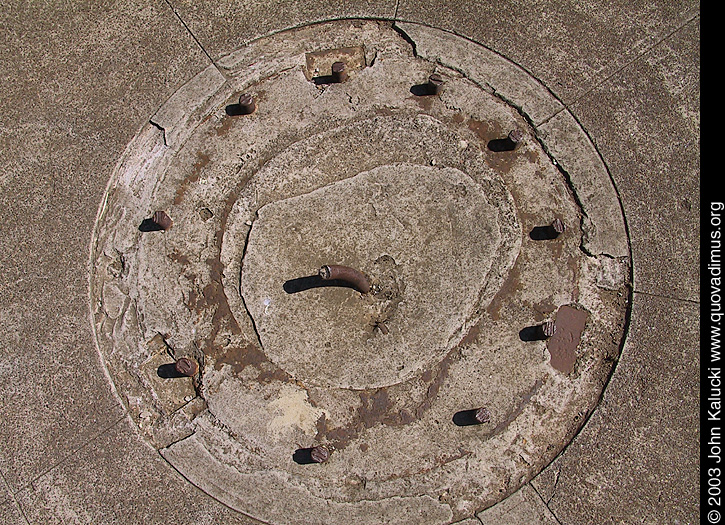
(425, 193)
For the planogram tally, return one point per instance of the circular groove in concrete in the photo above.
(425, 181)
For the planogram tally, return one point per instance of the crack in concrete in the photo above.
(546, 503)
(405, 36)
(31, 484)
(161, 129)
(196, 40)
(529, 120)
(647, 51)
(12, 497)
(668, 297)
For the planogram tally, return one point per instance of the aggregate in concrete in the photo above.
(81, 81)
(227, 25)
(569, 46)
(119, 478)
(650, 135)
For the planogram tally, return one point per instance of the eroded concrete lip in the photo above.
(400, 447)
(560, 133)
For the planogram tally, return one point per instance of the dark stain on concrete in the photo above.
(225, 125)
(179, 258)
(509, 289)
(570, 323)
(239, 358)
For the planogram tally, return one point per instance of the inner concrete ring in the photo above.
(489, 331)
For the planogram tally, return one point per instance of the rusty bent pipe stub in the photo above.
(344, 273)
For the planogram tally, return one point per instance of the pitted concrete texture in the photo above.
(426, 195)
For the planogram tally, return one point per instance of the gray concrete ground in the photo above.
(80, 79)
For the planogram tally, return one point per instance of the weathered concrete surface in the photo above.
(645, 438)
(555, 127)
(414, 190)
(79, 83)
(10, 512)
(116, 478)
(140, 68)
(646, 124)
(570, 46)
(328, 337)
(228, 24)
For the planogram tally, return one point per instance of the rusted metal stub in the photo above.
(562, 346)
(344, 273)
(162, 220)
(247, 104)
(319, 454)
(319, 63)
(187, 367)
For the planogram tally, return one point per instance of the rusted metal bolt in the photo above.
(547, 329)
(344, 273)
(516, 138)
(339, 72)
(162, 220)
(435, 84)
(482, 415)
(558, 226)
(319, 454)
(247, 105)
(186, 366)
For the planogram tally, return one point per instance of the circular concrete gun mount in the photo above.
(497, 262)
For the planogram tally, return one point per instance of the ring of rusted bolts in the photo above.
(335, 272)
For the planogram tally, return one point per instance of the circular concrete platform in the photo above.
(424, 193)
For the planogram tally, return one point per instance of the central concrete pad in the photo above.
(424, 235)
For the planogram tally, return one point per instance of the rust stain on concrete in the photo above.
(202, 160)
(562, 346)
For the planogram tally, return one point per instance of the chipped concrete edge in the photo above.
(184, 110)
(223, 482)
(561, 136)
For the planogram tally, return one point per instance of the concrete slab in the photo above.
(570, 46)
(645, 121)
(427, 194)
(10, 513)
(226, 25)
(637, 459)
(117, 479)
(79, 82)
